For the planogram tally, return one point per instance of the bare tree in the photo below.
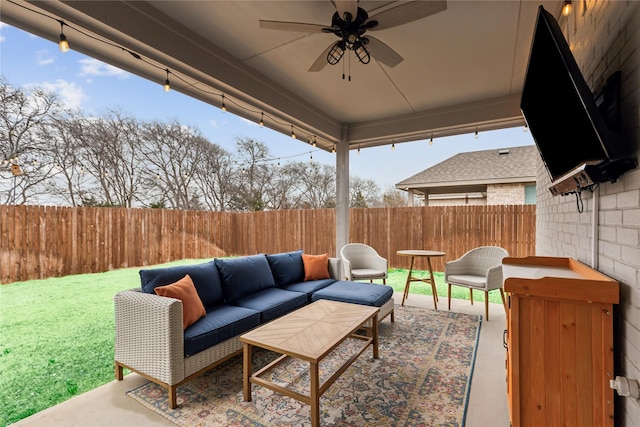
(214, 177)
(254, 177)
(363, 192)
(110, 149)
(23, 142)
(71, 183)
(314, 184)
(171, 156)
(394, 198)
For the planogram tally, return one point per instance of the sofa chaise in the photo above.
(185, 320)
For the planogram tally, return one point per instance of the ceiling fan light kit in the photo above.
(350, 22)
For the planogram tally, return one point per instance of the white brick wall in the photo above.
(505, 194)
(605, 38)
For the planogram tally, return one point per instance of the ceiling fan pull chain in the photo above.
(343, 70)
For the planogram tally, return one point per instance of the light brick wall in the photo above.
(458, 202)
(605, 38)
(505, 194)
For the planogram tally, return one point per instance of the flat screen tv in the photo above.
(559, 108)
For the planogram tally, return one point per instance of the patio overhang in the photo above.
(462, 70)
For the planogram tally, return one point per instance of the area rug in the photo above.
(422, 378)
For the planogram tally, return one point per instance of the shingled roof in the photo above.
(468, 171)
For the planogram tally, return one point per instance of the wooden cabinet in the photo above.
(559, 341)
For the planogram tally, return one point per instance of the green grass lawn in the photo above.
(56, 335)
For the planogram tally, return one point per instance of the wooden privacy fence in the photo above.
(37, 242)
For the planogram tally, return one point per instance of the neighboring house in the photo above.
(505, 176)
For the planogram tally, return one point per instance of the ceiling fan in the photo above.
(350, 23)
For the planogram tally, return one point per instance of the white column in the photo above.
(410, 197)
(342, 195)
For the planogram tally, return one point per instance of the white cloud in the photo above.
(70, 94)
(43, 57)
(213, 123)
(2, 26)
(94, 67)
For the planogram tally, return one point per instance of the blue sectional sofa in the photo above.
(237, 294)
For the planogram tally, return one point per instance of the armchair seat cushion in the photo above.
(355, 293)
(367, 273)
(468, 280)
(219, 324)
(272, 302)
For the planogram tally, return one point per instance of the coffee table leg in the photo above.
(246, 371)
(315, 394)
(374, 331)
(406, 286)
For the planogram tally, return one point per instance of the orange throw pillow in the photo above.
(316, 267)
(185, 291)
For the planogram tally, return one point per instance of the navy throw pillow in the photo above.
(287, 267)
(244, 276)
(205, 278)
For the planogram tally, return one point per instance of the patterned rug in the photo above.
(422, 378)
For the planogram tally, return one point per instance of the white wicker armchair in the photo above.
(479, 269)
(362, 262)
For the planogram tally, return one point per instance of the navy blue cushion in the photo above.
(308, 287)
(272, 303)
(221, 323)
(205, 278)
(244, 276)
(355, 293)
(287, 267)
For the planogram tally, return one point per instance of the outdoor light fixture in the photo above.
(167, 85)
(336, 53)
(566, 8)
(361, 52)
(63, 44)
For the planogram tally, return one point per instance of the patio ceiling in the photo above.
(463, 68)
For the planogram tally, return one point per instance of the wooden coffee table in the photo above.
(309, 334)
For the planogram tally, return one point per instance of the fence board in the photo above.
(39, 242)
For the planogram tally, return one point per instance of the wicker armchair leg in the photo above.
(173, 400)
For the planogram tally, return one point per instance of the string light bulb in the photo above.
(333, 149)
(167, 85)
(358, 149)
(223, 107)
(262, 119)
(525, 128)
(431, 140)
(476, 135)
(293, 134)
(63, 44)
(315, 143)
(567, 7)
(393, 146)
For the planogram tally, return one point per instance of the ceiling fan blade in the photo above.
(406, 12)
(294, 26)
(343, 6)
(322, 60)
(383, 53)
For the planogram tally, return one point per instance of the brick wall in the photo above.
(505, 194)
(605, 38)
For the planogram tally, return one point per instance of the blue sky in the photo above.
(95, 87)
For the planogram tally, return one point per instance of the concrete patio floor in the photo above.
(109, 405)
